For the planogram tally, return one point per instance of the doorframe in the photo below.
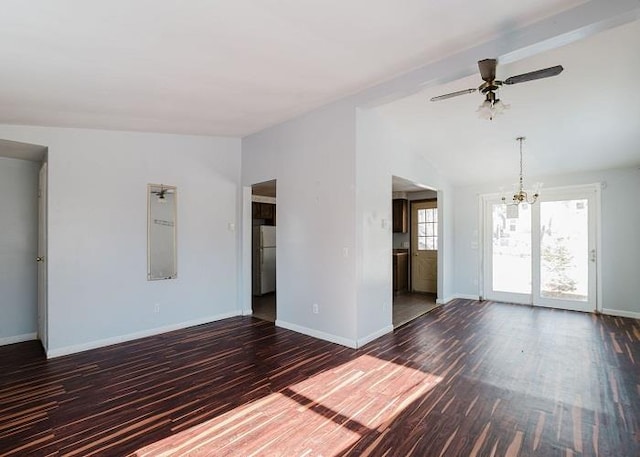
(245, 286)
(42, 319)
(596, 187)
(246, 247)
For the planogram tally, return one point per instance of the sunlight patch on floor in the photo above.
(322, 415)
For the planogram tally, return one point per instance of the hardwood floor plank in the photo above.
(469, 378)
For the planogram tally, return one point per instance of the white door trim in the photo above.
(43, 308)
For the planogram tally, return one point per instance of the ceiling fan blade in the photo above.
(452, 94)
(533, 75)
(488, 69)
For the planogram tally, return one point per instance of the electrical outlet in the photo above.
(315, 308)
(156, 308)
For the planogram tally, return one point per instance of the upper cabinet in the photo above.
(400, 215)
(266, 211)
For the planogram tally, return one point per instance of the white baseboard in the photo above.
(446, 300)
(66, 350)
(373, 336)
(467, 296)
(621, 313)
(18, 338)
(317, 334)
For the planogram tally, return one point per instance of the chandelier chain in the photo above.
(521, 139)
(521, 196)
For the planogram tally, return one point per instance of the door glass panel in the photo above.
(427, 229)
(511, 253)
(564, 250)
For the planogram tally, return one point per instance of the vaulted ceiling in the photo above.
(586, 118)
(228, 67)
(234, 67)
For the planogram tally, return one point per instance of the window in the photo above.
(428, 229)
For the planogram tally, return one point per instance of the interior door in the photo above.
(424, 245)
(42, 259)
(543, 254)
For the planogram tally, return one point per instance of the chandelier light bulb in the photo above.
(491, 107)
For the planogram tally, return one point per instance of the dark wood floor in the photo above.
(467, 379)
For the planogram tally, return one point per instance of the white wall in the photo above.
(620, 256)
(312, 157)
(334, 218)
(381, 153)
(98, 292)
(18, 249)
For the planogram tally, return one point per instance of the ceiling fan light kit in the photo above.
(492, 106)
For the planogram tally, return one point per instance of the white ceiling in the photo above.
(225, 67)
(587, 118)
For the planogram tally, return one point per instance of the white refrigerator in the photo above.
(264, 259)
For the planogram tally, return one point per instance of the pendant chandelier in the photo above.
(522, 196)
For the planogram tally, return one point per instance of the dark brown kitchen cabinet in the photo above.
(400, 272)
(400, 215)
(266, 211)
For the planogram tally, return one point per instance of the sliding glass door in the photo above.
(508, 266)
(542, 254)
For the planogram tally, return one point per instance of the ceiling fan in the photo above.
(492, 105)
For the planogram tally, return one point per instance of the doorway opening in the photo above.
(543, 254)
(23, 287)
(415, 250)
(263, 251)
